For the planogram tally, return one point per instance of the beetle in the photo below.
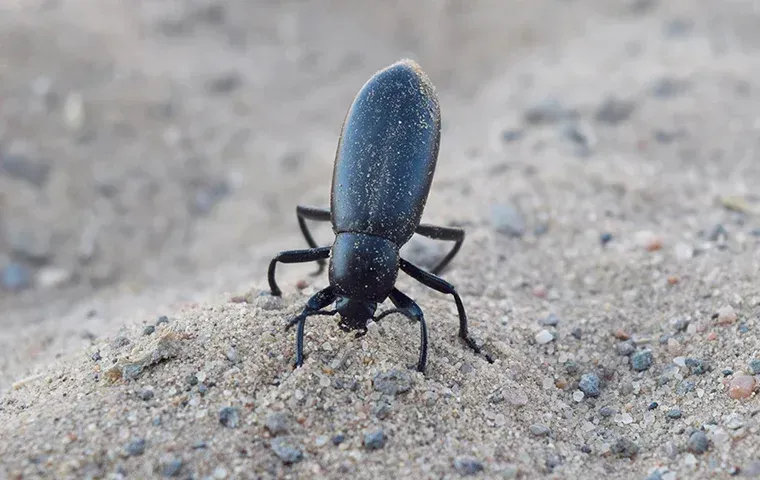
(383, 169)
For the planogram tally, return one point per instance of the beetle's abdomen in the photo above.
(387, 154)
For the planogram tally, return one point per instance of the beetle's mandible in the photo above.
(384, 165)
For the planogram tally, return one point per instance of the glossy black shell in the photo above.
(387, 154)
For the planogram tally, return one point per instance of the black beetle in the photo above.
(386, 157)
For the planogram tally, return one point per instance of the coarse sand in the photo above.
(604, 169)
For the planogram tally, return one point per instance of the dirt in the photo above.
(601, 157)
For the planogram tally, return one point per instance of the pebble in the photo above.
(614, 111)
(507, 219)
(73, 111)
(374, 440)
(668, 87)
(577, 333)
(163, 319)
(648, 240)
(674, 413)
(578, 395)
(624, 447)
(539, 429)
(589, 384)
(741, 387)
(511, 135)
(550, 321)
(726, 315)
(321, 441)
(277, 423)
(606, 411)
(232, 355)
(696, 366)
(754, 366)
(172, 468)
(148, 330)
(626, 348)
(220, 473)
(286, 452)
(145, 394)
(338, 439)
(544, 336)
(21, 167)
(31, 245)
(135, 447)
(229, 417)
(547, 111)
(652, 406)
(15, 277)
(698, 442)
(685, 387)
(468, 466)
(642, 360)
(393, 382)
(605, 238)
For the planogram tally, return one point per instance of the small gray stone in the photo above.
(148, 330)
(754, 366)
(393, 382)
(674, 413)
(698, 442)
(626, 348)
(15, 277)
(550, 321)
(642, 360)
(697, 366)
(614, 111)
(288, 453)
(606, 411)
(468, 466)
(135, 447)
(589, 384)
(507, 219)
(685, 387)
(232, 355)
(539, 429)
(172, 468)
(547, 111)
(20, 167)
(382, 410)
(145, 394)
(277, 423)
(30, 245)
(624, 447)
(374, 440)
(229, 417)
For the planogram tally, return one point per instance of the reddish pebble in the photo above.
(649, 240)
(672, 280)
(741, 387)
(301, 284)
(621, 334)
(726, 315)
(539, 291)
(712, 336)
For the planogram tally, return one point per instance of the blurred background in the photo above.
(146, 143)
(142, 141)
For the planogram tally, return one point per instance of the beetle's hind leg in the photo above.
(441, 285)
(294, 256)
(450, 234)
(319, 215)
(412, 311)
(317, 302)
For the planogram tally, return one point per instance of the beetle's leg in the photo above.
(441, 285)
(450, 234)
(294, 256)
(317, 214)
(318, 301)
(411, 310)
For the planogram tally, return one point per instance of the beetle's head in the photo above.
(354, 313)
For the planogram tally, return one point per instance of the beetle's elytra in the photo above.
(384, 166)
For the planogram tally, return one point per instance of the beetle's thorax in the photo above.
(363, 267)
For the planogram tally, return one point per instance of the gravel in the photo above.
(229, 417)
(642, 360)
(539, 429)
(374, 440)
(698, 442)
(468, 466)
(286, 452)
(393, 382)
(589, 385)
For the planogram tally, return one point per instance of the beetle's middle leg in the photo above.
(441, 285)
(319, 215)
(294, 256)
(450, 234)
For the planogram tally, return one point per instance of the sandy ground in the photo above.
(602, 157)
